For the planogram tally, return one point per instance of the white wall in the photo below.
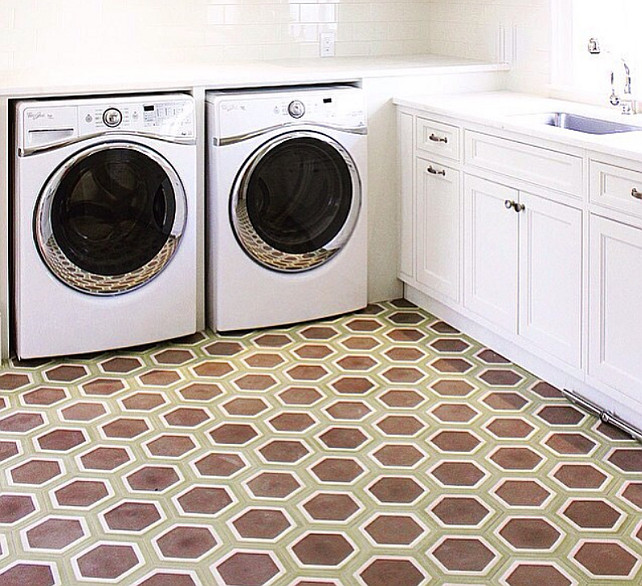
(36, 33)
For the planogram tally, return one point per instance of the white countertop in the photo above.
(146, 77)
(513, 112)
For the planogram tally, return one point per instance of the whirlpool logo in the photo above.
(39, 115)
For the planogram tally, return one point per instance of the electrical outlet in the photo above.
(326, 44)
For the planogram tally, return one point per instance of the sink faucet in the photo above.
(627, 100)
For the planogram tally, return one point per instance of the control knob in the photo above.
(112, 117)
(296, 109)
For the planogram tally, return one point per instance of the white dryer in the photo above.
(104, 223)
(286, 200)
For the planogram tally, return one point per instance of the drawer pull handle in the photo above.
(436, 138)
(508, 204)
(434, 171)
(518, 207)
(636, 194)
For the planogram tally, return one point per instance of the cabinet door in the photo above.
(438, 228)
(550, 269)
(490, 252)
(406, 205)
(615, 301)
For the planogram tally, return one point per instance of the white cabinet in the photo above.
(523, 266)
(615, 306)
(407, 202)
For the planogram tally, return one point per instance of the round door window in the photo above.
(110, 218)
(296, 201)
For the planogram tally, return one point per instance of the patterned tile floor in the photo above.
(383, 448)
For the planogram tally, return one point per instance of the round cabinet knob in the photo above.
(112, 117)
(296, 109)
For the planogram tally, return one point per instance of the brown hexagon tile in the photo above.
(103, 387)
(627, 460)
(160, 377)
(605, 559)
(170, 446)
(522, 493)
(81, 493)
(611, 432)
(402, 399)
(406, 317)
(220, 464)
(323, 549)
(452, 388)
(61, 440)
(8, 449)
(531, 534)
(455, 441)
(458, 473)
(200, 391)
(105, 458)
(277, 485)
(121, 365)
(223, 348)
(463, 554)
(633, 494)
(152, 478)
(82, 411)
(547, 391)
(363, 325)
(205, 500)
(319, 333)
(398, 456)
(27, 573)
(173, 356)
(307, 372)
(501, 377)
(233, 434)
(491, 357)
(394, 530)
(132, 516)
(386, 571)
(400, 374)
(54, 534)
(125, 428)
(186, 542)
(450, 345)
(454, 413)
(592, 514)
(570, 443)
(403, 354)
(143, 401)
(460, 511)
(14, 507)
(360, 343)
(451, 365)
(560, 415)
(36, 472)
(505, 401)
(248, 569)
(245, 407)
(293, 422)
(186, 417)
(402, 490)
(526, 574)
(10, 381)
(442, 327)
(580, 476)
(348, 410)
(356, 362)
(510, 428)
(261, 524)
(314, 351)
(352, 385)
(343, 470)
(168, 578)
(401, 425)
(21, 422)
(328, 506)
(107, 561)
(284, 451)
(405, 335)
(300, 396)
(343, 438)
(213, 369)
(66, 373)
(511, 458)
(44, 396)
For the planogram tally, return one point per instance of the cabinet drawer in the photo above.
(437, 138)
(616, 187)
(537, 165)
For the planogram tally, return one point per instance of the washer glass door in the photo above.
(110, 218)
(296, 201)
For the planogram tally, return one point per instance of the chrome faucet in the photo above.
(627, 100)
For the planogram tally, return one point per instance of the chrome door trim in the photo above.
(228, 140)
(259, 250)
(104, 285)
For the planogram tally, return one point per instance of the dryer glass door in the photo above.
(110, 218)
(296, 201)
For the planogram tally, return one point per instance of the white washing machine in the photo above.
(104, 223)
(286, 173)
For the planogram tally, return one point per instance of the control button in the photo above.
(88, 118)
(112, 117)
(296, 109)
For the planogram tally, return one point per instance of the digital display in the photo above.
(148, 108)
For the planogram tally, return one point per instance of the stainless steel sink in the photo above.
(583, 123)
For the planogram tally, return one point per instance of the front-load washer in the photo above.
(104, 223)
(286, 200)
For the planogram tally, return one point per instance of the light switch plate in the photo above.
(326, 44)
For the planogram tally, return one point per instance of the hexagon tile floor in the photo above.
(381, 448)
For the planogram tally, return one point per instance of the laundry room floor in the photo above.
(380, 448)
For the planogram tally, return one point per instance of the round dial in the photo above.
(296, 109)
(112, 117)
